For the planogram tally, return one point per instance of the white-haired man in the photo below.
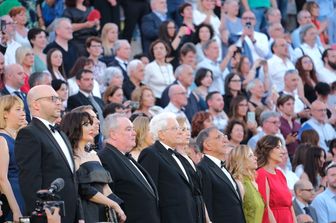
(136, 73)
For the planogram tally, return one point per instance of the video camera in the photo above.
(47, 198)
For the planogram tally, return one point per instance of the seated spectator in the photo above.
(145, 97)
(322, 91)
(310, 136)
(194, 152)
(122, 50)
(188, 55)
(39, 78)
(158, 73)
(151, 23)
(8, 40)
(272, 16)
(328, 71)
(215, 104)
(25, 57)
(304, 195)
(136, 74)
(307, 73)
(324, 202)
(186, 11)
(256, 90)
(203, 80)
(233, 88)
(303, 18)
(113, 76)
(332, 150)
(19, 16)
(204, 32)
(201, 120)
(141, 56)
(235, 131)
(55, 64)
(143, 136)
(62, 89)
(113, 94)
(109, 36)
(48, 11)
(298, 158)
(232, 21)
(318, 123)
(38, 40)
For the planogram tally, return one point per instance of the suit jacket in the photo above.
(41, 160)
(80, 99)
(177, 204)
(115, 63)
(4, 91)
(140, 201)
(221, 199)
(150, 26)
(299, 211)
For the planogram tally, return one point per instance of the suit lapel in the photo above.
(51, 138)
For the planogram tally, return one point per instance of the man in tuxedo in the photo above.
(130, 181)
(176, 191)
(44, 153)
(220, 191)
(304, 195)
(122, 50)
(13, 80)
(84, 96)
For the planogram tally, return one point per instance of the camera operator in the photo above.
(8, 44)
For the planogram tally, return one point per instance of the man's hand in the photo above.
(53, 217)
(304, 218)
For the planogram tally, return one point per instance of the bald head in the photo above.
(304, 191)
(14, 76)
(319, 111)
(178, 95)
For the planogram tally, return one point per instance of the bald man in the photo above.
(44, 154)
(318, 122)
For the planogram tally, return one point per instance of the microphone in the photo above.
(56, 185)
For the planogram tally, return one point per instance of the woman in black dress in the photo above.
(93, 179)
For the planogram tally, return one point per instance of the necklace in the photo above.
(164, 73)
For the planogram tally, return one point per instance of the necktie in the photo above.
(222, 164)
(306, 209)
(54, 128)
(97, 108)
(19, 94)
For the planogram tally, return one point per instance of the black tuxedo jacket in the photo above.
(177, 204)
(41, 160)
(150, 26)
(80, 99)
(221, 199)
(24, 100)
(140, 201)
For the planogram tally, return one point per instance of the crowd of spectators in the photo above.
(169, 110)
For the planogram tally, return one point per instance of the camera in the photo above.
(3, 26)
(46, 198)
(248, 25)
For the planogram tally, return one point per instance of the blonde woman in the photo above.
(243, 164)
(25, 57)
(109, 36)
(12, 118)
(143, 136)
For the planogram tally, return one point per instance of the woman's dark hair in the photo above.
(197, 31)
(231, 124)
(233, 109)
(153, 44)
(72, 3)
(240, 64)
(227, 83)
(197, 123)
(300, 154)
(310, 136)
(264, 147)
(302, 72)
(311, 164)
(57, 83)
(322, 89)
(163, 31)
(49, 65)
(309, 6)
(110, 91)
(33, 32)
(111, 108)
(72, 125)
(200, 75)
(79, 65)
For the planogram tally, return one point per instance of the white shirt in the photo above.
(290, 177)
(10, 52)
(298, 104)
(73, 87)
(199, 17)
(60, 142)
(178, 112)
(314, 53)
(277, 70)
(326, 75)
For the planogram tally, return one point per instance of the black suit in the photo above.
(150, 26)
(140, 200)
(115, 63)
(177, 204)
(80, 99)
(23, 97)
(41, 160)
(298, 210)
(223, 202)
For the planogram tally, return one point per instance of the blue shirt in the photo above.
(325, 206)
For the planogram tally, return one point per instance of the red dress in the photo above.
(25, 87)
(280, 198)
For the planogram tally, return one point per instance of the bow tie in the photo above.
(173, 151)
(54, 128)
(222, 163)
(128, 155)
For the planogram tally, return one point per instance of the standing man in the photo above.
(43, 153)
(130, 181)
(176, 191)
(220, 191)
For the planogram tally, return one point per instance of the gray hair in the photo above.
(110, 72)
(111, 122)
(301, 14)
(207, 44)
(159, 122)
(202, 136)
(57, 22)
(118, 43)
(252, 84)
(291, 71)
(36, 77)
(132, 65)
(304, 29)
(179, 70)
(265, 115)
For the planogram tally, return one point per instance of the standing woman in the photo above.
(38, 40)
(159, 74)
(12, 118)
(19, 16)
(55, 64)
(242, 164)
(25, 57)
(109, 36)
(271, 181)
(92, 178)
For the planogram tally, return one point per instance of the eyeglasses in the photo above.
(181, 93)
(96, 46)
(308, 190)
(175, 128)
(235, 80)
(274, 122)
(248, 18)
(320, 110)
(50, 98)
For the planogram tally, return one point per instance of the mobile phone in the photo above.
(251, 117)
(294, 133)
(188, 31)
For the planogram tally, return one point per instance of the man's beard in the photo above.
(332, 65)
